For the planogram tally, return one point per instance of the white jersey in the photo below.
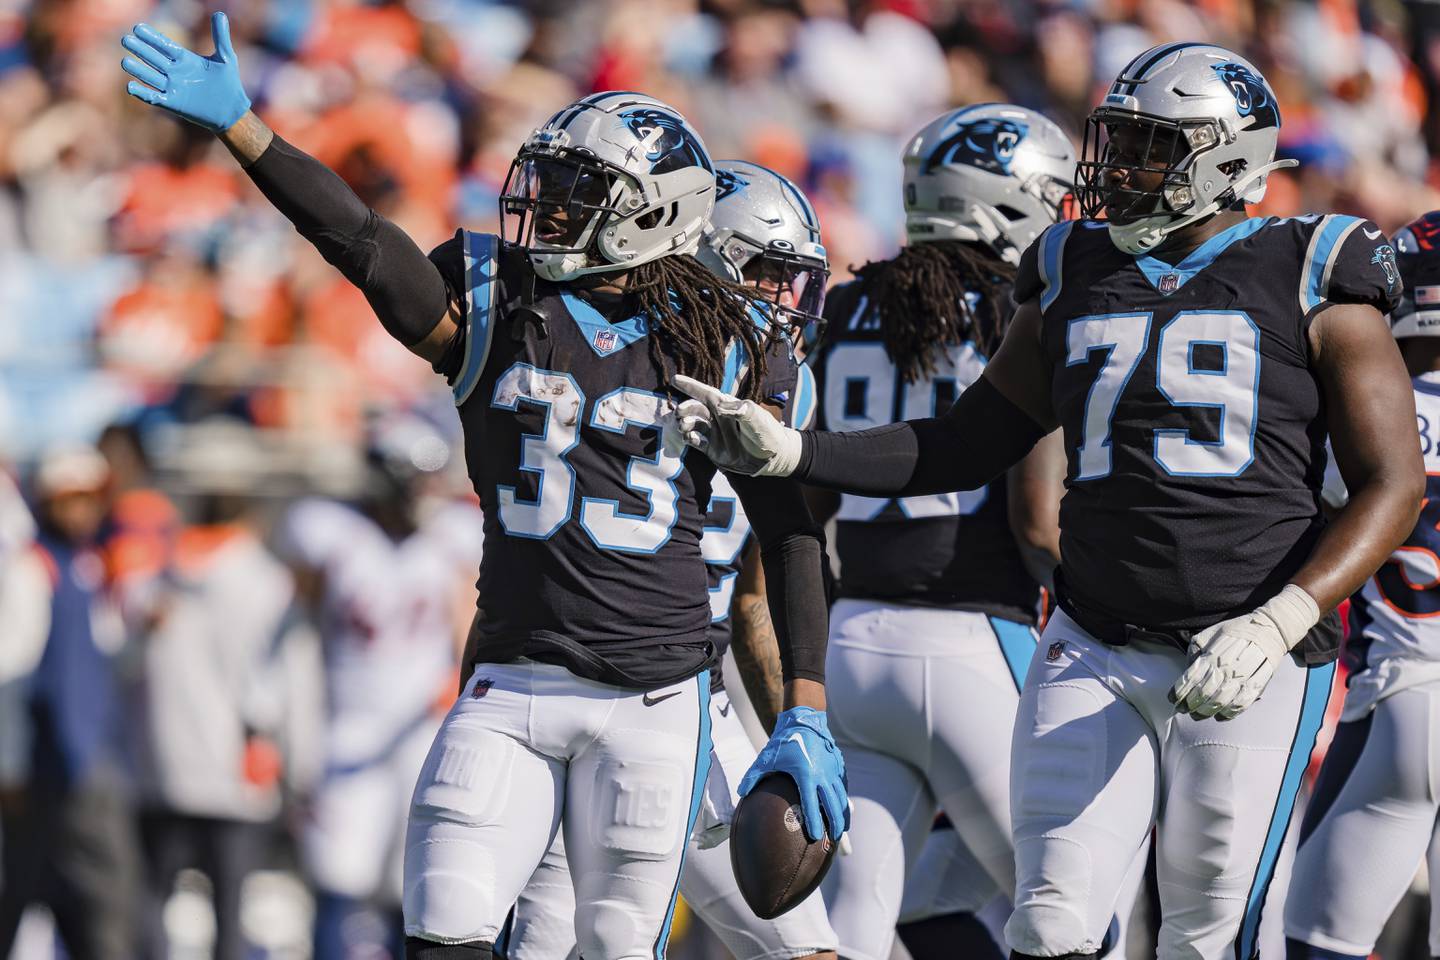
(386, 616)
(1395, 630)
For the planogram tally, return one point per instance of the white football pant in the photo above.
(529, 749)
(542, 927)
(1355, 865)
(1100, 755)
(921, 702)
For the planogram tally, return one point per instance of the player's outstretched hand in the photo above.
(1232, 661)
(740, 436)
(203, 90)
(801, 748)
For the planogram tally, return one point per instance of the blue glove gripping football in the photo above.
(203, 90)
(801, 748)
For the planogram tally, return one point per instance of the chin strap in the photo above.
(1146, 234)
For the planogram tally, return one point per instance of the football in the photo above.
(775, 866)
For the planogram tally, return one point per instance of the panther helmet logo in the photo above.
(728, 182)
(1252, 97)
(670, 144)
(988, 144)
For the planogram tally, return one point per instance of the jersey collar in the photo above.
(603, 336)
(1166, 278)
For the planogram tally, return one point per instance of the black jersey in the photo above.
(1194, 426)
(953, 550)
(593, 506)
(727, 529)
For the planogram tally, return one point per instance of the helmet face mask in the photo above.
(558, 201)
(1417, 260)
(793, 284)
(1133, 166)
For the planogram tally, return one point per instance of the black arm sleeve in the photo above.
(401, 284)
(792, 548)
(982, 436)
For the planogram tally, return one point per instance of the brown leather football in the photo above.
(775, 866)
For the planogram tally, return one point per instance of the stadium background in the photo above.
(145, 282)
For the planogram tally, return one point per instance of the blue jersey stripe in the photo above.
(697, 794)
(1017, 645)
(1325, 245)
(803, 406)
(1051, 262)
(1318, 681)
(482, 252)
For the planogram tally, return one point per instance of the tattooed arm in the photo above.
(753, 643)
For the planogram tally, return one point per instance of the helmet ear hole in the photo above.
(649, 220)
(1010, 213)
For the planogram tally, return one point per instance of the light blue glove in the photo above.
(203, 90)
(801, 748)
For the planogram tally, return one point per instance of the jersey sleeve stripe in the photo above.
(733, 369)
(481, 259)
(1325, 245)
(803, 409)
(1052, 262)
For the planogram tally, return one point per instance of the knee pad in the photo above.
(417, 949)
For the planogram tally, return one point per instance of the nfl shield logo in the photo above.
(1054, 652)
(482, 687)
(606, 340)
(1170, 283)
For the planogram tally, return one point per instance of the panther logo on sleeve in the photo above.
(1252, 97)
(1385, 257)
(988, 144)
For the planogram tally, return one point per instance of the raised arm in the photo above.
(405, 289)
(990, 428)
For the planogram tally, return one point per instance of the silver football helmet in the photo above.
(1197, 120)
(763, 232)
(992, 173)
(608, 183)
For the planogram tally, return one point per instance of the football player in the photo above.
(383, 586)
(588, 705)
(1195, 359)
(935, 594)
(1373, 814)
(763, 232)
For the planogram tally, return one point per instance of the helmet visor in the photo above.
(794, 284)
(552, 201)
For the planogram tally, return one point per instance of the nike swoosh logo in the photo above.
(801, 741)
(725, 710)
(650, 701)
(1372, 234)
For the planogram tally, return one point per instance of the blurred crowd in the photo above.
(177, 365)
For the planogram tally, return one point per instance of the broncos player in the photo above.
(588, 703)
(763, 232)
(1373, 814)
(1195, 360)
(935, 593)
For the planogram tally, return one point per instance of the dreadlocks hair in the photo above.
(694, 317)
(920, 294)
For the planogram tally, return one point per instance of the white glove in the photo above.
(739, 436)
(1231, 662)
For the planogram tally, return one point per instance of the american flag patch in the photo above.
(606, 340)
(1427, 295)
